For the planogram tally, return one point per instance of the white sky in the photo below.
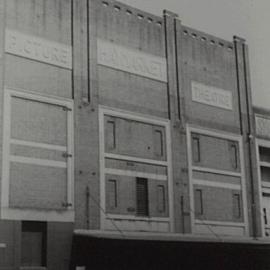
(249, 19)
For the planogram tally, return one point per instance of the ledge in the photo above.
(174, 237)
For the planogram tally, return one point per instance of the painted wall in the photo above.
(224, 18)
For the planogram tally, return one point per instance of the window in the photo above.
(142, 197)
(33, 244)
(265, 216)
(233, 154)
(112, 192)
(265, 174)
(264, 154)
(161, 198)
(158, 143)
(196, 155)
(198, 202)
(236, 205)
(110, 132)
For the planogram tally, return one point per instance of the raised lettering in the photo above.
(39, 49)
(132, 61)
(211, 96)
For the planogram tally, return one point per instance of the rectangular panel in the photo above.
(110, 140)
(126, 197)
(132, 61)
(38, 121)
(158, 198)
(233, 149)
(218, 204)
(198, 201)
(134, 138)
(38, 49)
(264, 154)
(196, 152)
(265, 174)
(210, 149)
(33, 186)
(112, 193)
(266, 209)
(161, 201)
(210, 95)
(237, 205)
(262, 126)
(159, 142)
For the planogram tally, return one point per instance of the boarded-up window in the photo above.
(134, 138)
(112, 193)
(110, 134)
(265, 216)
(158, 143)
(198, 197)
(37, 121)
(264, 154)
(265, 174)
(161, 198)
(236, 205)
(196, 154)
(39, 157)
(266, 206)
(233, 154)
(142, 197)
(33, 244)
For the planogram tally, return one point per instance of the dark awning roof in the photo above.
(175, 237)
(103, 250)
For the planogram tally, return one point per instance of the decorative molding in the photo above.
(159, 177)
(144, 119)
(241, 174)
(216, 184)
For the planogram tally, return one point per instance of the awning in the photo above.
(150, 236)
(96, 250)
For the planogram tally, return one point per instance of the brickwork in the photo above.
(167, 73)
(213, 201)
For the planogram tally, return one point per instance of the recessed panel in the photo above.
(34, 186)
(38, 122)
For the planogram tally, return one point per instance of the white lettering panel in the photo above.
(38, 49)
(262, 126)
(211, 96)
(132, 61)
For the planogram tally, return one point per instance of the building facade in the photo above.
(113, 119)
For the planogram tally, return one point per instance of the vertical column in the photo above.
(92, 53)
(86, 115)
(247, 126)
(178, 134)
(2, 68)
